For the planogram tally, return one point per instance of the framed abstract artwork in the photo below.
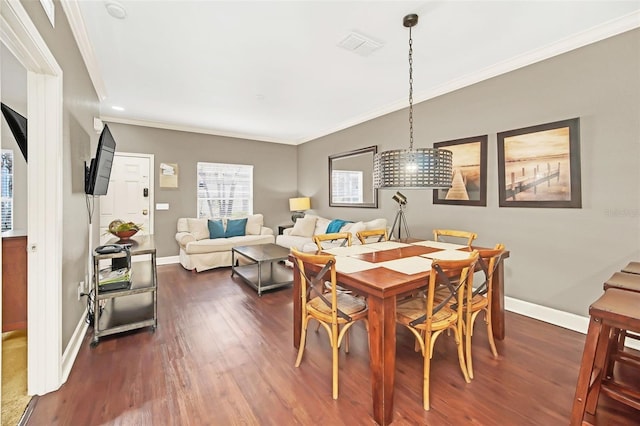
(469, 186)
(539, 166)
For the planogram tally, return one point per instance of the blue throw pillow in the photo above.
(236, 227)
(216, 230)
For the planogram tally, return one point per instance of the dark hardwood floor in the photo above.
(223, 356)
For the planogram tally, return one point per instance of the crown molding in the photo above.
(193, 129)
(608, 29)
(72, 10)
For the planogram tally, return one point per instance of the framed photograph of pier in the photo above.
(469, 186)
(539, 166)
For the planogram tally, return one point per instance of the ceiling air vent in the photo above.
(359, 44)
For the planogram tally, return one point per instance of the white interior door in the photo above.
(130, 194)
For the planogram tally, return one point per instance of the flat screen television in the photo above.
(18, 125)
(99, 171)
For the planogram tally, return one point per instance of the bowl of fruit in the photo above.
(123, 230)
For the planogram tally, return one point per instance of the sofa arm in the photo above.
(266, 231)
(184, 238)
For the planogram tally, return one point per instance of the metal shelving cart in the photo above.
(127, 309)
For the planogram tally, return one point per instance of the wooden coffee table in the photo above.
(257, 273)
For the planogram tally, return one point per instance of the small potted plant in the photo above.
(123, 230)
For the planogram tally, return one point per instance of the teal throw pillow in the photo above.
(216, 229)
(236, 227)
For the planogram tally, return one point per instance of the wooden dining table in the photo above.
(381, 286)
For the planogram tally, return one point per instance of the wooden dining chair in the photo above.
(479, 300)
(369, 235)
(335, 311)
(427, 321)
(336, 239)
(455, 235)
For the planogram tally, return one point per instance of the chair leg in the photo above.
(334, 355)
(492, 342)
(346, 342)
(426, 372)
(468, 333)
(461, 360)
(416, 345)
(303, 340)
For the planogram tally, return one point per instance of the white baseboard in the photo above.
(167, 260)
(553, 316)
(72, 349)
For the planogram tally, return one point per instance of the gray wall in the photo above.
(274, 173)
(80, 105)
(14, 95)
(559, 257)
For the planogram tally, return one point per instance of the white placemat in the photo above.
(408, 265)
(387, 245)
(350, 251)
(440, 245)
(448, 255)
(349, 265)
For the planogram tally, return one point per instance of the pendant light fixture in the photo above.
(413, 168)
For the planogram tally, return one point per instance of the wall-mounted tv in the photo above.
(98, 173)
(18, 125)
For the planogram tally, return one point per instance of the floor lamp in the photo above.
(400, 220)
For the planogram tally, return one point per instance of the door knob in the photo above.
(145, 212)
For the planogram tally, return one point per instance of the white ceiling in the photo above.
(272, 70)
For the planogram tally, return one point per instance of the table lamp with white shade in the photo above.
(298, 206)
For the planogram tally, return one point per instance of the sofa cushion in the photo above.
(208, 245)
(321, 226)
(354, 228)
(254, 224)
(216, 229)
(199, 228)
(235, 227)
(376, 224)
(294, 241)
(304, 227)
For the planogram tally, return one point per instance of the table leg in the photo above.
(297, 310)
(259, 279)
(497, 302)
(382, 353)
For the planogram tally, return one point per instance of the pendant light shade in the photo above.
(413, 168)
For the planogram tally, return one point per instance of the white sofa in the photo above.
(200, 252)
(301, 235)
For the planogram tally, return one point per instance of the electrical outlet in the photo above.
(80, 288)
(84, 287)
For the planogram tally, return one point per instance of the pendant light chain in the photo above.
(420, 168)
(410, 91)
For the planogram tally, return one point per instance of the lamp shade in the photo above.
(414, 168)
(299, 204)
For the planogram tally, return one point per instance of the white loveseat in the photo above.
(301, 235)
(200, 252)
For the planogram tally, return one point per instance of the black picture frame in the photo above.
(539, 166)
(469, 186)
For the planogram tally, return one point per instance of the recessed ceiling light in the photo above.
(117, 108)
(115, 9)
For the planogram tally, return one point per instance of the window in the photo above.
(224, 190)
(7, 189)
(347, 186)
